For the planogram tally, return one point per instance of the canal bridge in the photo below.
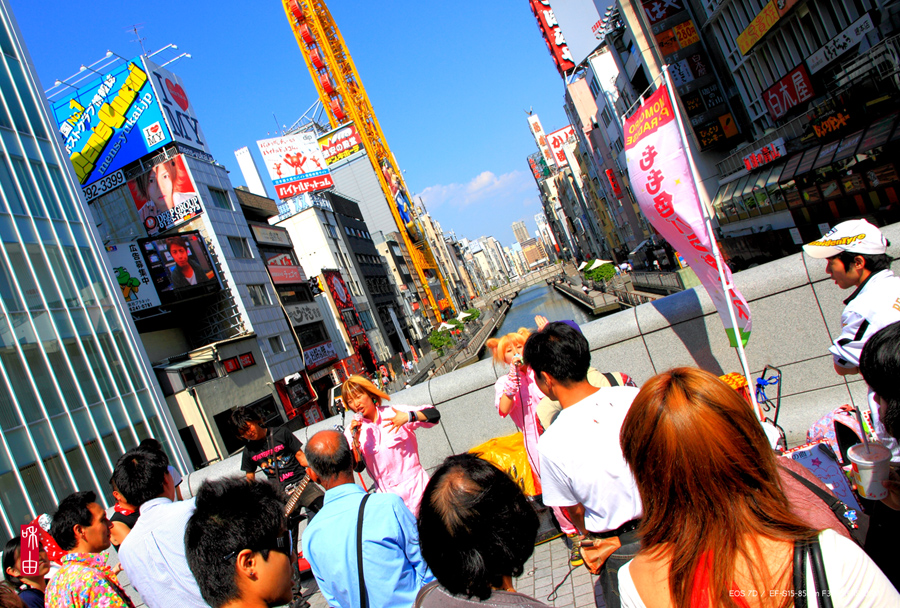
(796, 310)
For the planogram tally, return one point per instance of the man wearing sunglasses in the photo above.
(237, 544)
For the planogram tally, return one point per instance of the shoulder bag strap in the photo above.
(840, 509)
(423, 593)
(823, 595)
(800, 549)
(363, 599)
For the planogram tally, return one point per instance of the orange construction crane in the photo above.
(344, 99)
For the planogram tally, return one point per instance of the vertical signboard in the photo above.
(582, 24)
(553, 36)
(540, 138)
(295, 164)
(110, 122)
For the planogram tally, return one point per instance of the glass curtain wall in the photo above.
(75, 393)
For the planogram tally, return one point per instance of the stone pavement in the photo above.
(546, 568)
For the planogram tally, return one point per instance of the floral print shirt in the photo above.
(83, 581)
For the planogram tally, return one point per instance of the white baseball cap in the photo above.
(855, 236)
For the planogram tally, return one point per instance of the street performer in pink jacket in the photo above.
(384, 438)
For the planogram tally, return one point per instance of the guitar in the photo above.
(295, 493)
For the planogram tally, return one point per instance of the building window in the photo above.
(331, 231)
(197, 374)
(239, 247)
(366, 317)
(312, 334)
(276, 344)
(605, 116)
(347, 230)
(258, 295)
(220, 198)
(595, 87)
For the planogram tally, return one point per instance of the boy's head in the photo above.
(248, 424)
(237, 543)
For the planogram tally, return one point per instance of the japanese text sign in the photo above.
(557, 140)
(765, 155)
(111, 122)
(132, 276)
(553, 35)
(341, 144)
(661, 179)
(657, 10)
(295, 164)
(540, 138)
(30, 550)
(840, 44)
(789, 92)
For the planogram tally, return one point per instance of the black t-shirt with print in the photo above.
(275, 454)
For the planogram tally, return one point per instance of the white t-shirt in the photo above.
(854, 581)
(582, 463)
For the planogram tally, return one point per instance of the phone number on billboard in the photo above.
(102, 186)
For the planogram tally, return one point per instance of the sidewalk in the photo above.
(543, 571)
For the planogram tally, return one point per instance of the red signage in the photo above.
(287, 274)
(231, 365)
(247, 360)
(614, 183)
(794, 89)
(30, 549)
(657, 11)
(553, 36)
(302, 186)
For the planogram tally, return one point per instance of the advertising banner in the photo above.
(342, 144)
(179, 266)
(794, 89)
(179, 112)
(166, 195)
(661, 179)
(110, 122)
(614, 183)
(765, 155)
(287, 274)
(271, 235)
(556, 141)
(132, 275)
(582, 25)
(303, 314)
(295, 164)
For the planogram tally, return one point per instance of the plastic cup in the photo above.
(870, 467)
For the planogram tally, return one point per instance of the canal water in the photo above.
(540, 300)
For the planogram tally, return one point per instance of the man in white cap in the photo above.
(856, 254)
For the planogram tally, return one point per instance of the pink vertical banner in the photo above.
(661, 179)
(30, 549)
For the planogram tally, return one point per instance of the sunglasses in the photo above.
(283, 544)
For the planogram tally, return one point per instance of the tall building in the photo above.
(520, 231)
(75, 389)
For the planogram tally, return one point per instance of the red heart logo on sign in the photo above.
(178, 94)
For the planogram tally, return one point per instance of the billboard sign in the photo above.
(556, 141)
(319, 355)
(287, 274)
(271, 235)
(303, 314)
(166, 195)
(553, 36)
(841, 43)
(110, 122)
(132, 276)
(540, 138)
(295, 163)
(179, 112)
(179, 266)
(341, 144)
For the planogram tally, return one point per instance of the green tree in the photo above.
(474, 313)
(601, 273)
(440, 340)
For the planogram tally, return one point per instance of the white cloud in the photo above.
(484, 188)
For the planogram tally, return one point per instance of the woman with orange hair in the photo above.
(384, 438)
(717, 528)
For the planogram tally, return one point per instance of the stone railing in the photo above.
(796, 310)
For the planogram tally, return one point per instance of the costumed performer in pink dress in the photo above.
(517, 396)
(385, 439)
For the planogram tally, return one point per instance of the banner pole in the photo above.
(707, 220)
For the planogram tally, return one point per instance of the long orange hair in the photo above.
(497, 346)
(709, 485)
(358, 385)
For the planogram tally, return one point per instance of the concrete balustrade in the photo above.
(796, 311)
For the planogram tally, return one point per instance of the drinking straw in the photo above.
(862, 428)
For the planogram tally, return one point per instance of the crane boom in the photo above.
(344, 98)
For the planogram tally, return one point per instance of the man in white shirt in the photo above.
(856, 255)
(153, 554)
(582, 467)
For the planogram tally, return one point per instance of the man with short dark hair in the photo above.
(80, 527)
(238, 546)
(153, 552)
(187, 271)
(856, 255)
(393, 567)
(582, 467)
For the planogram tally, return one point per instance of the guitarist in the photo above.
(280, 456)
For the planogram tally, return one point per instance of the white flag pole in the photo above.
(726, 286)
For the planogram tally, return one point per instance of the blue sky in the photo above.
(450, 83)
